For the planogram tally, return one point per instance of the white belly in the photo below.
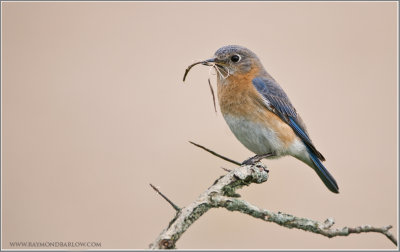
(254, 136)
(261, 140)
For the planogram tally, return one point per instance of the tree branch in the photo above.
(291, 221)
(223, 194)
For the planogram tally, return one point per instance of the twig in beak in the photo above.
(212, 93)
(206, 63)
(190, 67)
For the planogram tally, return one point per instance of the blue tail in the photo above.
(323, 173)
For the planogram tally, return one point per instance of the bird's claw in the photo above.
(256, 159)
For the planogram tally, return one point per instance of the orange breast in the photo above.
(238, 97)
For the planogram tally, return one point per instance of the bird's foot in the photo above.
(256, 159)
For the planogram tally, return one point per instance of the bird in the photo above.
(259, 112)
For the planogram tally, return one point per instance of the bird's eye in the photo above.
(235, 58)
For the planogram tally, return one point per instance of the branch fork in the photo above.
(225, 186)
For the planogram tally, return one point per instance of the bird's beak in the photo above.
(207, 62)
(213, 62)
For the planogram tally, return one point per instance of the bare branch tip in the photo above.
(215, 154)
(226, 169)
(154, 188)
(166, 198)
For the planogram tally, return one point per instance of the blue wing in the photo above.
(277, 101)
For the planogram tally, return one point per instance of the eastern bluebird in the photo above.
(259, 112)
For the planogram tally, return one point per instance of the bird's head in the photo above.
(233, 59)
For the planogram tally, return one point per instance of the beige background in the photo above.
(94, 109)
